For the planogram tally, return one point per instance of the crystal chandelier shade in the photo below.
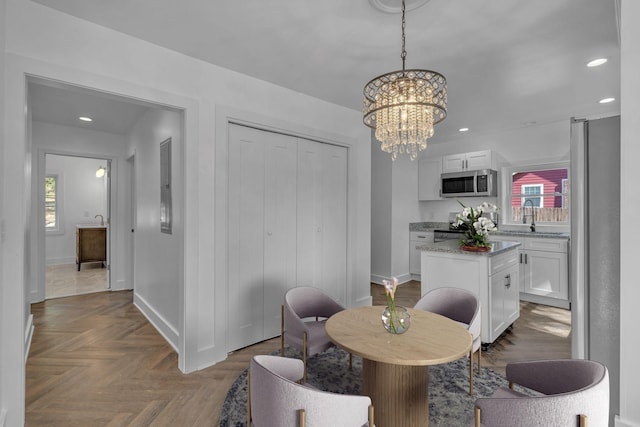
(403, 107)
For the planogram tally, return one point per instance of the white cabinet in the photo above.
(429, 182)
(468, 161)
(280, 236)
(505, 301)
(544, 269)
(546, 272)
(417, 238)
(492, 278)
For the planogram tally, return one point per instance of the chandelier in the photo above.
(403, 106)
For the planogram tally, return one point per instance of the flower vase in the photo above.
(396, 319)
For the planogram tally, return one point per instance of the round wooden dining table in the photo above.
(395, 368)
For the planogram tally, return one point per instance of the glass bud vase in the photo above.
(396, 320)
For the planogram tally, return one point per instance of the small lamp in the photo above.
(100, 172)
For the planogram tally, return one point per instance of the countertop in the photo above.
(434, 225)
(428, 226)
(543, 234)
(453, 247)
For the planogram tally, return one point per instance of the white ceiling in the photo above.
(63, 104)
(509, 63)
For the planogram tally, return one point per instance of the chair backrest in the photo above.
(276, 398)
(457, 304)
(570, 388)
(306, 301)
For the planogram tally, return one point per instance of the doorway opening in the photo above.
(77, 212)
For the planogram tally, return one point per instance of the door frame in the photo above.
(39, 269)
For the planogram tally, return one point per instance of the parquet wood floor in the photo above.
(96, 361)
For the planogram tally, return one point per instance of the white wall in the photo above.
(630, 202)
(9, 397)
(82, 197)
(381, 213)
(394, 196)
(44, 42)
(158, 265)
(67, 140)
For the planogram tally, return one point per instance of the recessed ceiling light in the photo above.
(606, 100)
(596, 62)
(463, 129)
(85, 119)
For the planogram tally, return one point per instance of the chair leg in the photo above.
(477, 416)
(583, 420)
(302, 417)
(371, 421)
(304, 357)
(479, 356)
(249, 398)
(471, 372)
(282, 330)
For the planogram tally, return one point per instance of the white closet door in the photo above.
(309, 213)
(246, 235)
(279, 225)
(322, 217)
(334, 220)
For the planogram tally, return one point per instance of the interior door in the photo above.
(334, 221)
(322, 217)
(246, 237)
(280, 164)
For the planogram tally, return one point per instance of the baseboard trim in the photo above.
(619, 422)
(538, 299)
(362, 302)
(158, 322)
(28, 337)
(403, 278)
(60, 261)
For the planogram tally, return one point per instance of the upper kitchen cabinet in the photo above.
(429, 183)
(468, 161)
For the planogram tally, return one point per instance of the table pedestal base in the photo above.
(399, 394)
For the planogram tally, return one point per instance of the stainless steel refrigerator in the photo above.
(595, 246)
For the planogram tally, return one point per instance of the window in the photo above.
(546, 187)
(529, 190)
(53, 203)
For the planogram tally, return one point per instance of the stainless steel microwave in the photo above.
(482, 182)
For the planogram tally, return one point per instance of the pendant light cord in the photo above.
(404, 51)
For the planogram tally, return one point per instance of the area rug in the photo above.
(449, 402)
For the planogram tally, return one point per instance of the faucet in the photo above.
(101, 219)
(533, 215)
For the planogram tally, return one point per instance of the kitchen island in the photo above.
(493, 276)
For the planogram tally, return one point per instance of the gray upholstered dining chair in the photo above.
(304, 313)
(568, 393)
(276, 399)
(461, 306)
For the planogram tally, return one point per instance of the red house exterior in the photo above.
(551, 181)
